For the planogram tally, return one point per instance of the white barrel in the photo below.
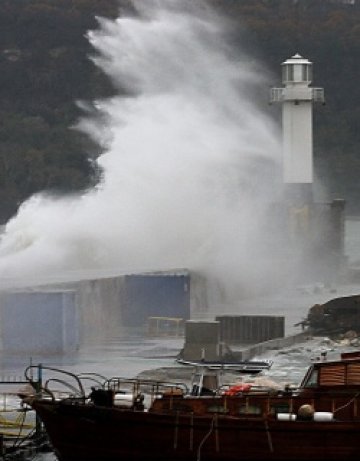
(286, 417)
(323, 416)
(125, 400)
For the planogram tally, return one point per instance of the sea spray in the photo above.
(188, 166)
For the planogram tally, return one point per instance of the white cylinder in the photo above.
(323, 416)
(286, 417)
(123, 399)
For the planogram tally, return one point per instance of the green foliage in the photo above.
(44, 71)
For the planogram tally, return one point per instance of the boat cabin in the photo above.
(344, 373)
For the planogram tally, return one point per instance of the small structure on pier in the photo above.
(165, 326)
(210, 340)
(250, 329)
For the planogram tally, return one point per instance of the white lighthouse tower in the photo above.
(297, 99)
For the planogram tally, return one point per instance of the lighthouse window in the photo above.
(306, 73)
(288, 73)
(304, 76)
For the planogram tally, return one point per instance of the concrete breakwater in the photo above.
(250, 351)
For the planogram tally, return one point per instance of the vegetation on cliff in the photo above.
(45, 70)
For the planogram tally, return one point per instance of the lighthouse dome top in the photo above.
(297, 59)
(297, 70)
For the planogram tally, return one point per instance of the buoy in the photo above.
(306, 412)
(238, 389)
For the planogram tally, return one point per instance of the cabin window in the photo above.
(312, 380)
(279, 408)
(179, 407)
(250, 410)
(217, 409)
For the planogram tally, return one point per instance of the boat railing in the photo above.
(151, 388)
(93, 378)
(60, 384)
(70, 384)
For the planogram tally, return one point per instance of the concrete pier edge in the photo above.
(247, 353)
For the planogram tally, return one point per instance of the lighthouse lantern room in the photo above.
(296, 70)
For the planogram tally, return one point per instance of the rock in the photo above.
(350, 334)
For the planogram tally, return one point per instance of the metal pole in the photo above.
(38, 387)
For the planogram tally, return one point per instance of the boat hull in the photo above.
(89, 433)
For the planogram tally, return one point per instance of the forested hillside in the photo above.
(45, 69)
(326, 32)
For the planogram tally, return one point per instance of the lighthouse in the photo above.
(297, 98)
(314, 230)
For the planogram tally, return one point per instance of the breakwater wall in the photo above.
(249, 352)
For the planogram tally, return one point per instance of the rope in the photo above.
(204, 439)
(176, 430)
(191, 431)
(271, 448)
(19, 439)
(348, 403)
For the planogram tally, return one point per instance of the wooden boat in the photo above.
(319, 420)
